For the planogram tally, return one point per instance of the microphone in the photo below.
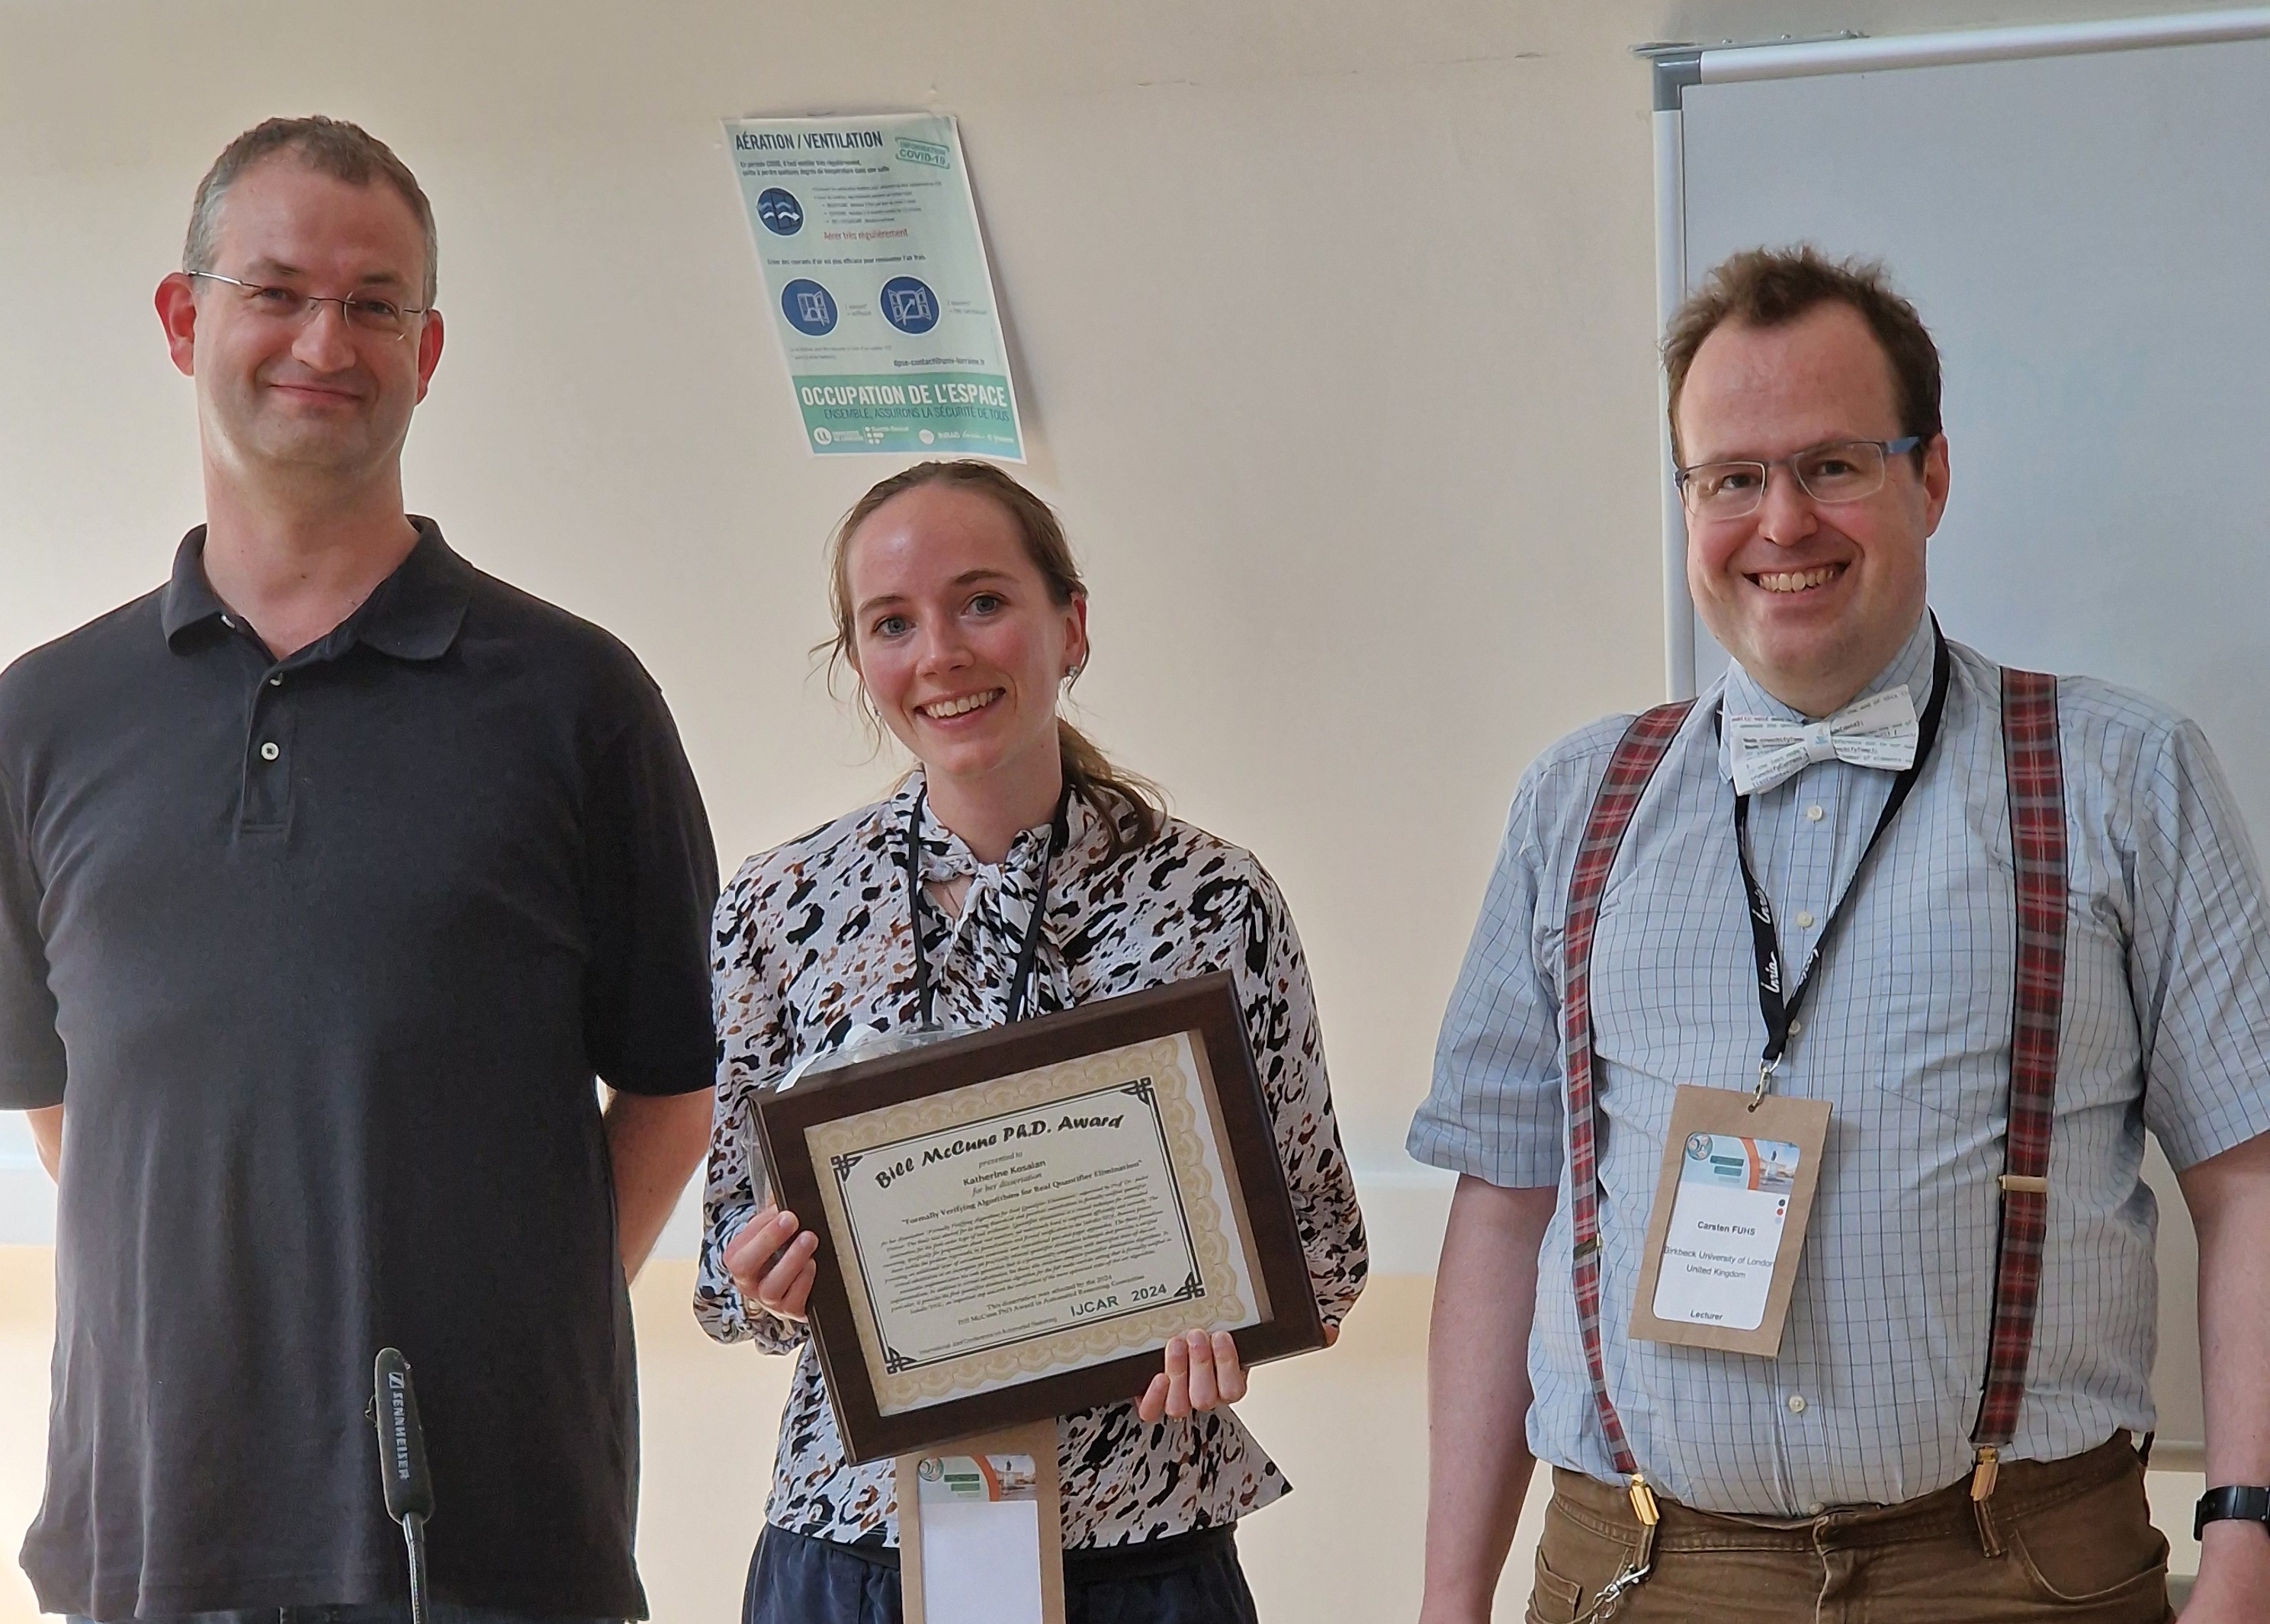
(402, 1472)
(401, 1443)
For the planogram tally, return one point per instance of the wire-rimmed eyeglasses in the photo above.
(369, 312)
(1840, 470)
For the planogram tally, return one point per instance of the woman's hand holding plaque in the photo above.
(771, 1269)
(1203, 1373)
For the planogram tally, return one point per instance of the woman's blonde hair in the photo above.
(1132, 806)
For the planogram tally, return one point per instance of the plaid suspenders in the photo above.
(2037, 793)
(2036, 780)
(1638, 753)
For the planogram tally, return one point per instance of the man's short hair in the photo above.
(1770, 287)
(328, 145)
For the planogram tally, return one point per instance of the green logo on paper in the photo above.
(914, 152)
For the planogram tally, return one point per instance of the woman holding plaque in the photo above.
(1049, 877)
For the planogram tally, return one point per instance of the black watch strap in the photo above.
(2248, 1503)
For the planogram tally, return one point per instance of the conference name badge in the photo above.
(1728, 1225)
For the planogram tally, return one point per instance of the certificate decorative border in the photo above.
(1244, 1183)
(1161, 1071)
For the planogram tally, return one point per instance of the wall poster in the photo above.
(879, 289)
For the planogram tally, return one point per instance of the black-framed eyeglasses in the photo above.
(1839, 470)
(370, 313)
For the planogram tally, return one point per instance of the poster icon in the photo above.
(908, 305)
(808, 307)
(781, 214)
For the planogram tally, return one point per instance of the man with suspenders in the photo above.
(1800, 1065)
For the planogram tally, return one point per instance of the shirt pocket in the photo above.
(1937, 978)
(1927, 974)
(1674, 989)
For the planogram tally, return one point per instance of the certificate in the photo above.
(1014, 1223)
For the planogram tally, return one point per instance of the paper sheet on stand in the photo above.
(978, 1522)
(980, 1563)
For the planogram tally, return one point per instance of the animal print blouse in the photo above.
(811, 941)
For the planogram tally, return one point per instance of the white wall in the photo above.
(1333, 337)
(1335, 325)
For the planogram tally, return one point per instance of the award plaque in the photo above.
(1014, 1223)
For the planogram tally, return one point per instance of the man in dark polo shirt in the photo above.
(331, 874)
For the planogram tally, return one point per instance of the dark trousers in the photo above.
(2069, 1540)
(1184, 1579)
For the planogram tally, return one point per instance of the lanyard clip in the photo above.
(1605, 1605)
(1766, 1068)
(1637, 1566)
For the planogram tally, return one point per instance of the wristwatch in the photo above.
(2248, 1503)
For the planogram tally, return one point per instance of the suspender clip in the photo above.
(1989, 1468)
(1643, 1501)
(2023, 1185)
(1638, 1565)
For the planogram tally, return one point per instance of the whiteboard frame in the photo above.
(1677, 67)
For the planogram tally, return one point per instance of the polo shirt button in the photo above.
(268, 751)
(1815, 1508)
(229, 621)
(1813, 814)
(277, 681)
(1805, 922)
(1797, 1404)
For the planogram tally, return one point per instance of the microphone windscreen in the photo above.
(401, 1445)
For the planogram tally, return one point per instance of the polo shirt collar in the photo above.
(189, 598)
(415, 613)
(417, 610)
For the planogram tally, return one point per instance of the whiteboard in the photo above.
(2085, 236)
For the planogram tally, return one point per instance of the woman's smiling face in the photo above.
(957, 640)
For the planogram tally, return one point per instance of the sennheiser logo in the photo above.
(397, 1395)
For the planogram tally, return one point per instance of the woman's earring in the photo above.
(1073, 675)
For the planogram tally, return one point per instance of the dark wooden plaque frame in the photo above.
(1204, 1007)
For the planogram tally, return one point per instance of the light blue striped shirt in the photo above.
(1907, 1032)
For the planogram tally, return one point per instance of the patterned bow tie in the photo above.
(1879, 731)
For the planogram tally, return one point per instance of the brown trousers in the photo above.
(2075, 1541)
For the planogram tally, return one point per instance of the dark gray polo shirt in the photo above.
(321, 956)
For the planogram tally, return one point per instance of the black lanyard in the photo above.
(1779, 1008)
(1059, 829)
